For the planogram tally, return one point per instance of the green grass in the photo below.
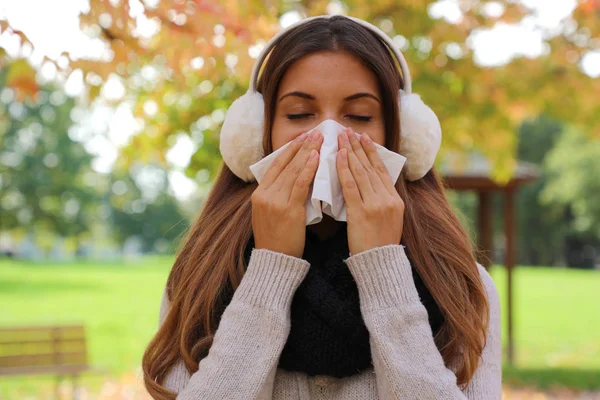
(557, 324)
(118, 304)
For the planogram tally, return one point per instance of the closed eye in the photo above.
(297, 116)
(360, 118)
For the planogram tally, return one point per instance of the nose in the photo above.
(333, 116)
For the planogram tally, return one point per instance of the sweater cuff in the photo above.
(383, 276)
(271, 279)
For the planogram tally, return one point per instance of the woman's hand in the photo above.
(279, 202)
(375, 211)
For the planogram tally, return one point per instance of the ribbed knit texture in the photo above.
(274, 276)
(242, 361)
(328, 336)
(383, 272)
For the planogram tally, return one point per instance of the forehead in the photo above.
(328, 72)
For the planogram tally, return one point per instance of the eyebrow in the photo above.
(349, 98)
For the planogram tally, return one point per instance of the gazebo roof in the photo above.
(473, 172)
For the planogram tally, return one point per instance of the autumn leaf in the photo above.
(94, 92)
(590, 6)
(21, 78)
(202, 52)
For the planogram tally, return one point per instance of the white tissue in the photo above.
(325, 194)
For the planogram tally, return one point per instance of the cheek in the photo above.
(283, 131)
(376, 132)
(280, 134)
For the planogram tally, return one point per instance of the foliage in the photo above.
(47, 182)
(48, 185)
(549, 231)
(152, 216)
(573, 170)
(196, 58)
(542, 228)
(572, 192)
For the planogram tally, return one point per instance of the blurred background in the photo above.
(109, 129)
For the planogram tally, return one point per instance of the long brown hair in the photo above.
(212, 256)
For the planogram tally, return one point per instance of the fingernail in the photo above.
(302, 137)
(366, 138)
(350, 134)
(344, 137)
(315, 135)
(314, 154)
(343, 153)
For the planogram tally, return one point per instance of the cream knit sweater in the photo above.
(242, 361)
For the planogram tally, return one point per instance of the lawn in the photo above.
(557, 324)
(118, 303)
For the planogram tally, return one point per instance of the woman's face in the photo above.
(327, 85)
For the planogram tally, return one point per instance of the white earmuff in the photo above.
(420, 135)
(241, 141)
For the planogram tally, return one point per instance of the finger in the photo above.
(358, 172)
(302, 183)
(286, 180)
(378, 165)
(349, 186)
(361, 155)
(281, 161)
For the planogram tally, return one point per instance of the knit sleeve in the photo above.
(406, 360)
(243, 358)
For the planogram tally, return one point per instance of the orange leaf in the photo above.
(590, 6)
(21, 77)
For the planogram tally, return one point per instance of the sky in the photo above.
(54, 30)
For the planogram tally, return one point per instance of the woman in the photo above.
(388, 305)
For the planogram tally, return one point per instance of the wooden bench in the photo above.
(33, 350)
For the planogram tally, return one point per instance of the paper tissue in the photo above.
(325, 194)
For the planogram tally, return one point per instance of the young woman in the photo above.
(388, 305)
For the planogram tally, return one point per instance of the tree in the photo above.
(199, 56)
(542, 227)
(47, 182)
(573, 182)
(142, 208)
(573, 189)
(550, 231)
(48, 186)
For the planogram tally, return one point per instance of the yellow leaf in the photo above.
(94, 92)
(21, 78)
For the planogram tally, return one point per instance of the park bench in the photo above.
(34, 350)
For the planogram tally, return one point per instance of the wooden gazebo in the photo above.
(474, 174)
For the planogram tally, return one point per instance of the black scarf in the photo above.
(328, 335)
